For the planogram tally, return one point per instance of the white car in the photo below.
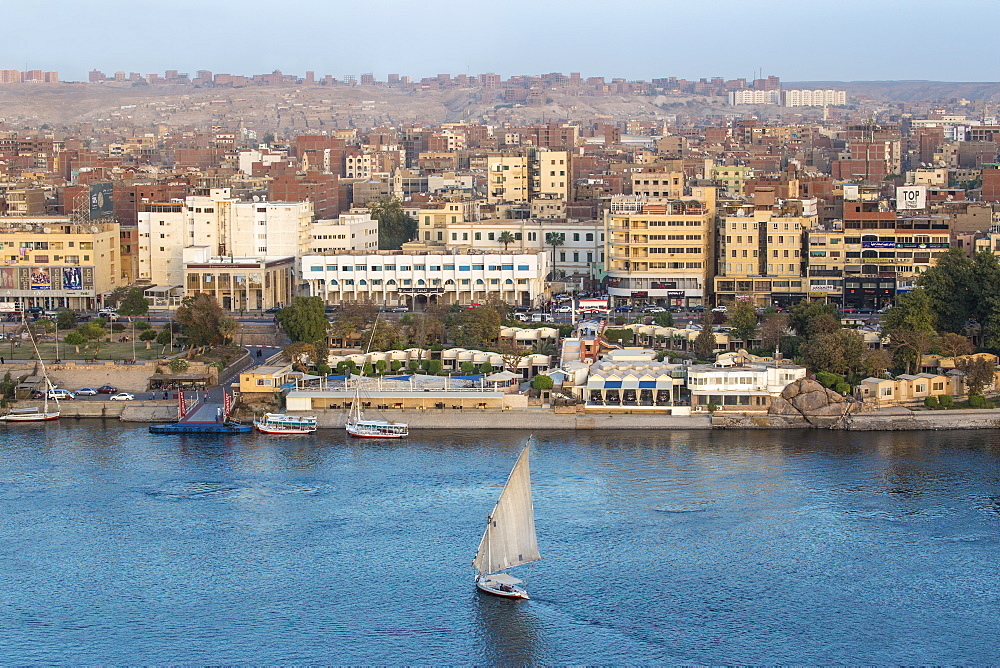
(86, 392)
(122, 396)
(563, 309)
(654, 309)
(720, 309)
(59, 393)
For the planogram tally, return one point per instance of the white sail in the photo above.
(509, 539)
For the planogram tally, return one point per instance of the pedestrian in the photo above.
(206, 396)
(218, 415)
(2, 360)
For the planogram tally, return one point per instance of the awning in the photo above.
(643, 384)
(612, 385)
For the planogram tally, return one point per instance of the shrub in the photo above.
(117, 327)
(977, 401)
(542, 382)
(434, 368)
(142, 325)
(323, 369)
(178, 365)
(931, 402)
(414, 365)
(396, 365)
(381, 366)
(712, 407)
(368, 369)
(828, 379)
(946, 400)
(842, 388)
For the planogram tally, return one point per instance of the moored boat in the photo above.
(280, 423)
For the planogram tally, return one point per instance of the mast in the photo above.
(511, 524)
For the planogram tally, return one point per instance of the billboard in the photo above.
(71, 278)
(41, 279)
(910, 198)
(101, 204)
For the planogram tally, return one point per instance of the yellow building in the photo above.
(507, 176)
(266, 379)
(760, 251)
(658, 184)
(661, 250)
(52, 262)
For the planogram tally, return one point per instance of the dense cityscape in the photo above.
(701, 296)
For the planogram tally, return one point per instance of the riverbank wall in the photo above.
(540, 419)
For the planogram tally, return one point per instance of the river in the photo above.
(700, 547)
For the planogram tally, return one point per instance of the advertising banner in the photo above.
(40, 278)
(72, 278)
(911, 198)
(101, 204)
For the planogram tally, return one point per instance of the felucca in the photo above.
(509, 539)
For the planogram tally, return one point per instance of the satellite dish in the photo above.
(47, 230)
(94, 229)
(256, 199)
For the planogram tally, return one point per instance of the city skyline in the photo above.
(868, 41)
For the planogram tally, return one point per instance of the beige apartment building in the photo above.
(760, 251)
(661, 250)
(523, 175)
(507, 178)
(52, 262)
(658, 184)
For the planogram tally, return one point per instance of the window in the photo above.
(522, 267)
(490, 236)
(477, 236)
(576, 236)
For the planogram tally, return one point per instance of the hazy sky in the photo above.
(637, 39)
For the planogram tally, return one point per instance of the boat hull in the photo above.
(277, 430)
(200, 428)
(34, 417)
(366, 434)
(504, 591)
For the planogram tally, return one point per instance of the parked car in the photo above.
(107, 389)
(849, 309)
(624, 308)
(522, 309)
(866, 310)
(400, 309)
(523, 317)
(654, 309)
(273, 309)
(721, 308)
(697, 308)
(59, 393)
(86, 392)
(563, 309)
(122, 396)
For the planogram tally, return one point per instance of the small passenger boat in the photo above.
(279, 423)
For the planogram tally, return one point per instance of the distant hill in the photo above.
(908, 91)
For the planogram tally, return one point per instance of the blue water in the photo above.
(677, 547)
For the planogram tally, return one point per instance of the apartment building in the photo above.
(393, 278)
(52, 262)
(658, 184)
(760, 250)
(507, 176)
(222, 223)
(661, 249)
(348, 232)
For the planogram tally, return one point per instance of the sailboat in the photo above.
(357, 426)
(509, 539)
(33, 414)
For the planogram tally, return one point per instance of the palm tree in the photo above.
(554, 239)
(506, 238)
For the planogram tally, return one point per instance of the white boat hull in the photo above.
(279, 423)
(483, 583)
(369, 430)
(29, 417)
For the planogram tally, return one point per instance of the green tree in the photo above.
(468, 368)
(836, 352)
(486, 368)
(66, 320)
(128, 301)
(395, 227)
(163, 337)
(92, 331)
(148, 335)
(199, 316)
(623, 337)
(304, 320)
(542, 382)
(980, 373)
(381, 366)
(368, 369)
(475, 328)
(950, 287)
(228, 328)
(300, 354)
(506, 238)
(178, 365)
(811, 316)
(663, 319)
(75, 339)
(742, 317)
(554, 239)
(910, 328)
(704, 344)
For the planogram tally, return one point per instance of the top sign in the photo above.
(909, 198)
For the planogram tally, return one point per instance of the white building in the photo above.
(394, 278)
(750, 96)
(740, 382)
(796, 97)
(224, 224)
(349, 232)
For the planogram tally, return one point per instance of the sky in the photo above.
(817, 40)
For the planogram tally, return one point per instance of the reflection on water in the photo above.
(658, 547)
(508, 631)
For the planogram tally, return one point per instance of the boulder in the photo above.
(807, 398)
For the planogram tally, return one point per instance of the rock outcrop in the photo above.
(807, 398)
